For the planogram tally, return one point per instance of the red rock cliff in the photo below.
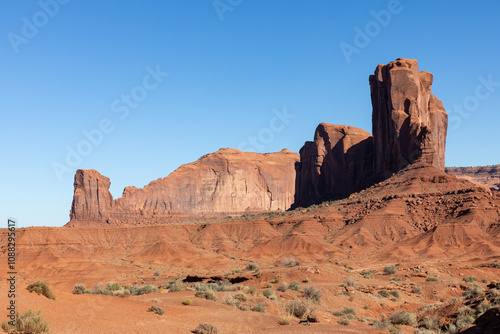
(227, 182)
(338, 163)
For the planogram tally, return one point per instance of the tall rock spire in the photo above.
(409, 122)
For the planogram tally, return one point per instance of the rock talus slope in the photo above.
(226, 182)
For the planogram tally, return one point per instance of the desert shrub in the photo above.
(30, 322)
(100, 290)
(241, 297)
(463, 321)
(209, 295)
(424, 331)
(349, 310)
(268, 293)
(259, 308)
(176, 286)
(290, 262)
(390, 270)
(394, 293)
(403, 318)
(221, 285)
(282, 287)
(313, 294)
(294, 285)
(114, 286)
(230, 301)
(307, 280)
(483, 307)
(464, 310)
(187, 302)
(144, 290)
(473, 292)
(343, 322)
(157, 273)
(41, 288)
(275, 280)
(431, 323)
(207, 328)
(470, 279)
(432, 279)
(382, 324)
(299, 308)
(157, 310)
(452, 328)
(383, 293)
(80, 289)
(395, 279)
(202, 287)
(350, 282)
(368, 275)
(252, 267)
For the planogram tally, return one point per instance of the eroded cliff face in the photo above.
(409, 123)
(337, 163)
(227, 182)
(92, 199)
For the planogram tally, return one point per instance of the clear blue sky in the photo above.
(74, 66)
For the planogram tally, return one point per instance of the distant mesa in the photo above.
(409, 126)
(483, 175)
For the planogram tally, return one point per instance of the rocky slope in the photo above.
(485, 175)
(226, 182)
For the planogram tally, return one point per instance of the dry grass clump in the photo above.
(206, 294)
(390, 270)
(313, 294)
(207, 328)
(157, 310)
(299, 308)
(30, 322)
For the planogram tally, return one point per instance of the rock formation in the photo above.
(338, 163)
(409, 123)
(226, 182)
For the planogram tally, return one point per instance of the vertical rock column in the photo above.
(409, 123)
